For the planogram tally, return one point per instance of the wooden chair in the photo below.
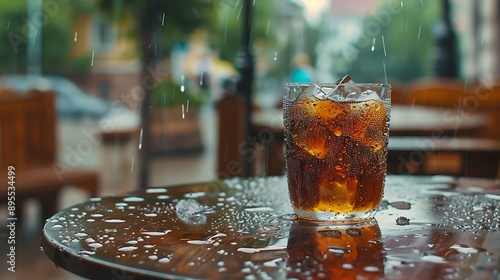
(262, 152)
(476, 157)
(460, 155)
(28, 145)
(399, 92)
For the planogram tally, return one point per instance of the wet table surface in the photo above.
(427, 228)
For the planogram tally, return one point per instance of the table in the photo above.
(405, 121)
(477, 157)
(414, 121)
(428, 228)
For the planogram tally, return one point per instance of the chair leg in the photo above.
(19, 211)
(49, 204)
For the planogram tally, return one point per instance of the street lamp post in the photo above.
(34, 55)
(245, 65)
(445, 64)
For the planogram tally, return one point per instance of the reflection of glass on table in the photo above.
(336, 251)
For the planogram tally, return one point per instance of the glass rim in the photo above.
(333, 84)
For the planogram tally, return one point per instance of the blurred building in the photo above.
(115, 66)
(343, 22)
(479, 23)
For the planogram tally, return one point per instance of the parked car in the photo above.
(74, 104)
(71, 101)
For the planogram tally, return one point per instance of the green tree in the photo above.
(56, 23)
(227, 34)
(404, 44)
(158, 21)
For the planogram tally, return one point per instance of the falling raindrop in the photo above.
(132, 165)
(201, 78)
(373, 43)
(8, 25)
(275, 55)
(163, 20)
(419, 29)
(76, 36)
(92, 61)
(187, 106)
(482, 37)
(401, 3)
(182, 83)
(385, 72)
(183, 115)
(267, 28)
(140, 139)
(383, 45)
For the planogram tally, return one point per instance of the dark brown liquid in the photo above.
(336, 154)
(336, 252)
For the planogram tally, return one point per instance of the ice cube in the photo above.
(346, 79)
(316, 91)
(344, 87)
(356, 94)
(370, 95)
(190, 212)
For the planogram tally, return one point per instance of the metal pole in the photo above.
(34, 53)
(245, 65)
(148, 27)
(445, 64)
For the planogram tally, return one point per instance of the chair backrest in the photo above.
(27, 129)
(398, 94)
(444, 93)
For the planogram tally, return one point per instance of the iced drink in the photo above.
(336, 148)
